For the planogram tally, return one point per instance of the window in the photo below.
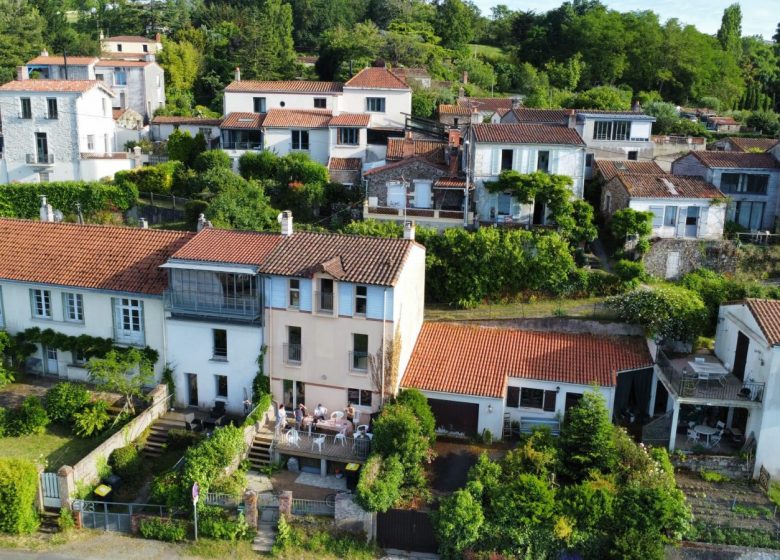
(756, 184)
(506, 159)
(119, 47)
(349, 136)
(543, 161)
(259, 104)
(294, 293)
(325, 296)
(513, 397)
(361, 300)
(220, 344)
(743, 183)
(128, 321)
(120, 77)
(670, 216)
(100, 77)
(504, 204)
(43, 176)
(42, 146)
(51, 106)
(749, 215)
(320, 102)
(146, 48)
(633, 155)
(608, 203)
(538, 398)
(79, 358)
(206, 132)
(90, 142)
(692, 217)
(41, 303)
(359, 358)
(222, 386)
(658, 216)
(300, 139)
(359, 397)
(293, 351)
(611, 130)
(74, 307)
(588, 160)
(375, 104)
(26, 108)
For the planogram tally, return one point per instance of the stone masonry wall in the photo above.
(732, 467)
(719, 256)
(409, 172)
(618, 194)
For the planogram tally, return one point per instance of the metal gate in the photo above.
(114, 516)
(51, 490)
(406, 530)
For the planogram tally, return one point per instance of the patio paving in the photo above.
(318, 481)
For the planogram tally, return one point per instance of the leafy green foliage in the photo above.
(91, 420)
(182, 439)
(6, 376)
(65, 521)
(29, 418)
(764, 122)
(586, 438)
(418, 404)
(207, 460)
(398, 432)
(22, 200)
(629, 271)
(247, 208)
(380, 482)
(631, 222)
(605, 98)
(162, 529)
(214, 522)
(127, 463)
(64, 400)
(157, 179)
(192, 211)
(211, 159)
(126, 373)
(18, 488)
(458, 523)
(712, 476)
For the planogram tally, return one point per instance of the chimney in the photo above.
(572, 122)
(453, 138)
(516, 103)
(465, 79)
(237, 74)
(636, 107)
(22, 73)
(453, 163)
(44, 52)
(143, 224)
(409, 230)
(203, 223)
(46, 212)
(287, 223)
(461, 93)
(157, 37)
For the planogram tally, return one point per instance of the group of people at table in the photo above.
(340, 422)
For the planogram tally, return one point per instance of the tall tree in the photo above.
(730, 32)
(21, 35)
(267, 51)
(454, 23)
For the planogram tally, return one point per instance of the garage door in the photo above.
(455, 416)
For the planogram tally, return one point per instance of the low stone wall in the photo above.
(719, 256)
(561, 324)
(727, 465)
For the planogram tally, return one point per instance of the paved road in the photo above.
(102, 546)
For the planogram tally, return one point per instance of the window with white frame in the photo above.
(128, 321)
(538, 398)
(359, 397)
(361, 300)
(670, 216)
(90, 142)
(375, 104)
(294, 299)
(349, 136)
(74, 307)
(300, 139)
(359, 355)
(258, 104)
(611, 130)
(222, 386)
(41, 303)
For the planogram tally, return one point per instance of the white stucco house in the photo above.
(481, 378)
(162, 126)
(525, 148)
(58, 130)
(130, 46)
(84, 280)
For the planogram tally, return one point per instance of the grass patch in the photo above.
(56, 447)
(584, 308)
(317, 540)
(172, 226)
(209, 548)
(487, 51)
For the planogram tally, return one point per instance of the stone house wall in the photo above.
(413, 170)
(719, 256)
(619, 197)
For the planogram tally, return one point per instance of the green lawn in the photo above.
(585, 308)
(57, 446)
(487, 50)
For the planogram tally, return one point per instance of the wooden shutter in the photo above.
(549, 401)
(513, 397)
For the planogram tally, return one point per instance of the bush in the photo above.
(91, 420)
(379, 485)
(127, 463)
(22, 200)
(18, 488)
(458, 523)
(212, 159)
(167, 490)
(628, 271)
(29, 418)
(258, 165)
(712, 476)
(213, 522)
(64, 400)
(192, 211)
(418, 404)
(157, 179)
(65, 521)
(182, 439)
(161, 529)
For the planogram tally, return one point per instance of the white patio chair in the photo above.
(693, 435)
(293, 437)
(337, 415)
(720, 425)
(715, 440)
(342, 437)
(318, 441)
(363, 428)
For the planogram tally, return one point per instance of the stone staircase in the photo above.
(158, 435)
(260, 452)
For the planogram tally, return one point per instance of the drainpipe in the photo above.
(384, 320)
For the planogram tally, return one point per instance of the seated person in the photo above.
(319, 413)
(350, 412)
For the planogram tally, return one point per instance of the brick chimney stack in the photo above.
(572, 118)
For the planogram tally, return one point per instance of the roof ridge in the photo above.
(95, 226)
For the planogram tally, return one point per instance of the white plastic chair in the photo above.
(363, 428)
(341, 436)
(720, 425)
(693, 435)
(293, 438)
(715, 440)
(337, 415)
(318, 441)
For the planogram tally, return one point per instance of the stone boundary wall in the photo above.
(727, 465)
(562, 324)
(719, 256)
(351, 517)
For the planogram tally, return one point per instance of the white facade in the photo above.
(280, 141)
(138, 85)
(244, 101)
(162, 130)
(396, 102)
(130, 45)
(684, 218)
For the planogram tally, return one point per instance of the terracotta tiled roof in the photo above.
(227, 246)
(117, 113)
(289, 86)
(609, 168)
(746, 144)
(366, 260)
(304, 118)
(351, 119)
(667, 186)
(124, 63)
(486, 104)
(87, 256)
(345, 164)
(449, 183)
(513, 133)
(541, 116)
(54, 86)
(461, 110)
(767, 314)
(376, 78)
(723, 120)
(406, 161)
(433, 149)
(243, 120)
(60, 61)
(734, 160)
(469, 360)
(130, 39)
(164, 119)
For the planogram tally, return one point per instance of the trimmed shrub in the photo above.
(22, 200)
(161, 529)
(628, 271)
(30, 418)
(258, 165)
(380, 481)
(418, 404)
(64, 400)
(212, 159)
(18, 487)
(91, 420)
(157, 179)
(127, 463)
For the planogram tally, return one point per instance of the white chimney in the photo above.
(44, 52)
(46, 212)
(237, 76)
(203, 222)
(409, 230)
(22, 73)
(572, 119)
(286, 219)
(143, 224)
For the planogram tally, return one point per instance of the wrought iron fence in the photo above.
(222, 499)
(313, 507)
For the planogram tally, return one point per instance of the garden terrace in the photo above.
(349, 450)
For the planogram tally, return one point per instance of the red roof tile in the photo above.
(747, 144)
(767, 314)
(734, 160)
(87, 256)
(486, 104)
(398, 148)
(289, 86)
(165, 119)
(609, 168)
(227, 246)
(376, 78)
(667, 186)
(304, 118)
(351, 119)
(345, 164)
(242, 120)
(723, 120)
(60, 61)
(541, 116)
(470, 360)
(130, 39)
(513, 133)
(54, 86)
(445, 109)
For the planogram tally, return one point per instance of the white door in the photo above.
(422, 194)
(396, 195)
(672, 265)
(52, 367)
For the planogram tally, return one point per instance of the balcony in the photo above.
(186, 303)
(348, 449)
(40, 159)
(358, 362)
(324, 302)
(256, 145)
(689, 387)
(292, 354)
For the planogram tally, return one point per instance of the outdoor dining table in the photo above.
(330, 425)
(706, 431)
(709, 370)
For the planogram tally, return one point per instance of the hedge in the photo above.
(169, 530)
(18, 487)
(22, 200)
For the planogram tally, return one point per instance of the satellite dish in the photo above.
(279, 217)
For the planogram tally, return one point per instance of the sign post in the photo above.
(195, 496)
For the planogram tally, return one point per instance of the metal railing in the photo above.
(222, 499)
(46, 159)
(292, 354)
(358, 361)
(252, 145)
(324, 445)
(758, 237)
(324, 302)
(313, 507)
(196, 303)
